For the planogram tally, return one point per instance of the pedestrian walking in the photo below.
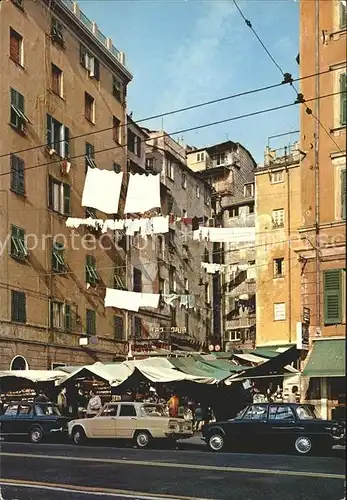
(292, 398)
(198, 417)
(62, 402)
(81, 403)
(173, 405)
(94, 404)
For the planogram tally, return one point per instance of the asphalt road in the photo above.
(68, 472)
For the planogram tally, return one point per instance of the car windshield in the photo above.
(306, 412)
(152, 411)
(43, 409)
(239, 415)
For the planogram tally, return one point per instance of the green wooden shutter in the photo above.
(66, 142)
(21, 102)
(343, 194)
(14, 172)
(332, 297)
(50, 192)
(21, 182)
(118, 327)
(67, 199)
(343, 98)
(68, 318)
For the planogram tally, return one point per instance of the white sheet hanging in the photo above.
(123, 299)
(143, 193)
(102, 190)
(73, 222)
(160, 224)
(149, 300)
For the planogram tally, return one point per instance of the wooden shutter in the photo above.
(118, 327)
(343, 194)
(18, 306)
(50, 192)
(91, 322)
(332, 297)
(68, 318)
(66, 142)
(83, 53)
(14, 172)
(343, 98)
(55, 79)
(14, 46)
(67, 199)
(96, 69)
(49, 131)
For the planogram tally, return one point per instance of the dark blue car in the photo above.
(36, 421)
(267, 426)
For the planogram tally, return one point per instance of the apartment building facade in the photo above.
(278, 270)
(229, 168)
(61, 78)
(187, 198)
(323, 46)
(323, 49)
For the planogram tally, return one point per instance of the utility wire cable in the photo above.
(287, 77)
(190, 129)
(179, 110)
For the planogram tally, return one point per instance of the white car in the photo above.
(138, 422)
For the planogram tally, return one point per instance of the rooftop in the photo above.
(91, 26)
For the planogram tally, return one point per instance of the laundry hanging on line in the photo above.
(213, 268)
(235, 235)
(143, 193)
(154, 225)
(130, 301)
(102, 190)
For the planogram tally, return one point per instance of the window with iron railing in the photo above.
(58, 263)
(19, 248)
(92, 276)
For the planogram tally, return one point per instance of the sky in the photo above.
(183, 52)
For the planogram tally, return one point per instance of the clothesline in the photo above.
(133, 301)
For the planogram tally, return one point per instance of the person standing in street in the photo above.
(81, 404)
(62, 402)
(173, 405)
(94, 405)
(292, 398)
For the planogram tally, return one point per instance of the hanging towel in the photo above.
(160, 224)
(143, 193)
(169, 299)
(132, 226)
(73, 222)
(102, 190)
(149, 300)
(234, 235)
(122, 299)
(184, 300)
(191, 301)
(195, 223)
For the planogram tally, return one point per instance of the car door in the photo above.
(126, 421)
(24, 418)
(104, 425)
(283, 425)
(250, 430)
(8, 420)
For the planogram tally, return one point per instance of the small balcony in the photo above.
(240, 322)
(246, 287)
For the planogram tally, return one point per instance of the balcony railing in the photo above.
(241, 322)
(92, 27)
(246, 287)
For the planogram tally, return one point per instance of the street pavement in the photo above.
(68, 472)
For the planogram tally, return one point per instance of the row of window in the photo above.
(170, 174)
(61, 316)
(87, 60)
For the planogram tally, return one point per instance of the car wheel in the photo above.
(142, 439)
(79, 436)
(35, 435)
(216, 442)
(303, 445)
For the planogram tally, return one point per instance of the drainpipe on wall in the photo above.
(316, 165)
(289, 258)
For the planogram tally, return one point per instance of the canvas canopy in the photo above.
(34, 375)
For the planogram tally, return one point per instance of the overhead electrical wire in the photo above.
(287, 77)
(179, 110)
(190, 129)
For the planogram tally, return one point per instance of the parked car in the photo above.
(138, 422)
(34, 420)
(291, 427)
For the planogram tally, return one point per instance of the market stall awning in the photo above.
(161, 370)
(327, 359)
(34, 375)
(250, 357)
(113, 373)
(198, 368)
